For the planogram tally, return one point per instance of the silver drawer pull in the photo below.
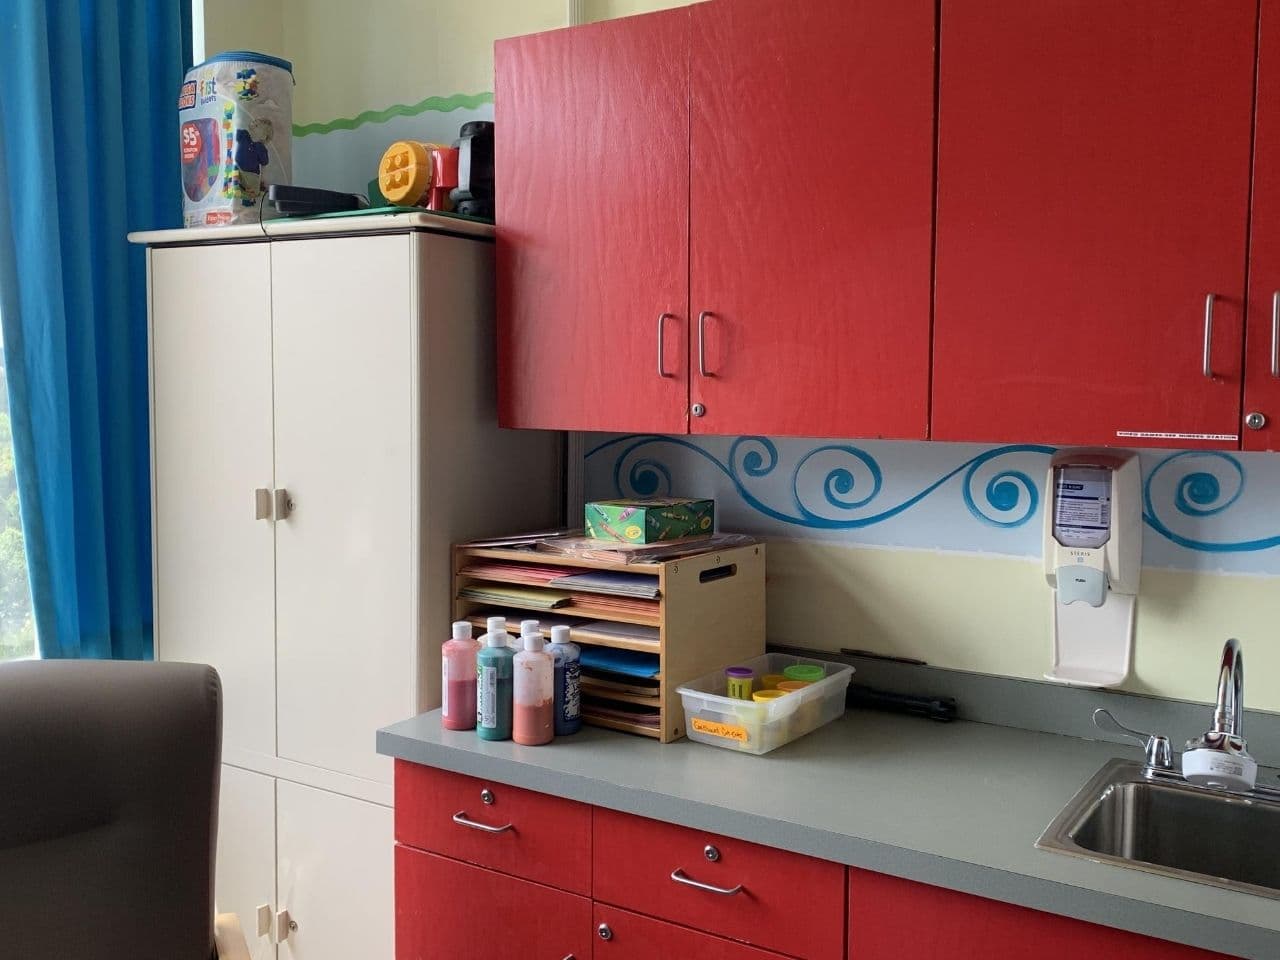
(1275, 335)
(702, 343)
(1208, 335)
(462, 820)
(662, 327)
(678, 876)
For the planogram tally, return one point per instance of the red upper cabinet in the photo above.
(1093, 183)
(592, 250)
(1262, 340)
(811, 193)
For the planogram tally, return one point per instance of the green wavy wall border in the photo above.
(459, 101)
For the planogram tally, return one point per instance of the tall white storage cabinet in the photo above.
(324, 428)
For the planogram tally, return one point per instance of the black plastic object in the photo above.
(475, 190)
(482, 209)
(935, 708)
(298, 201)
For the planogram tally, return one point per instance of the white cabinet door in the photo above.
(345, 338)
(336, 866)
(246, 871)
(212, 446)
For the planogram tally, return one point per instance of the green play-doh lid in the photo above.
(809, 672)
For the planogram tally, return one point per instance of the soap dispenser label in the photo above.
(1082, 507)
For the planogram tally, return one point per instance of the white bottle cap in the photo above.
(533, 641)
(496, 639)
(560, 634)
(462, 630)
(497, 625)
(528, 627)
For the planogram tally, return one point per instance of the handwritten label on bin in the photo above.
(726, 730)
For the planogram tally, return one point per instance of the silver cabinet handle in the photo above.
(262, 503)
(1208, 335)
(1275, 335)
(462, 820)
(678, 876)
(702, 343)
(662, 327)
(282, 504)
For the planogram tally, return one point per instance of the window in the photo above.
(17, 625)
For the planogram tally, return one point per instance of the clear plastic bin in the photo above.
(712, 717)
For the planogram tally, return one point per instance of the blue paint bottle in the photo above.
(566, 682)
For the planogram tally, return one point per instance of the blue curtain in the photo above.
(88, 152)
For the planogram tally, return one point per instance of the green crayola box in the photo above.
(649, 521)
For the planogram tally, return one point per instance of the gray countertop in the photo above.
(956, 805)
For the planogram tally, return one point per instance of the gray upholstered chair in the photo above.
(108, 810)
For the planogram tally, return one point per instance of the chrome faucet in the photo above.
(1228, 714)
(1220, 757)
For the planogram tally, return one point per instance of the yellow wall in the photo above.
(354, 56)
(990, 614)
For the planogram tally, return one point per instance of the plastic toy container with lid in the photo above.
(752, 726)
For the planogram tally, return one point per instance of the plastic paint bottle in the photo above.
(566, 682)
(458, 679)
(493, 688)
(532, 723)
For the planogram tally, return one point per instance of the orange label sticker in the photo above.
(726, 730)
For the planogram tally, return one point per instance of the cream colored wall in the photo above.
(990, 614)
(350, 57)
(608, 9)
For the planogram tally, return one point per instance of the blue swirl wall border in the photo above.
(835, 486)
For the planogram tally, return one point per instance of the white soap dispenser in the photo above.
(1093, 562)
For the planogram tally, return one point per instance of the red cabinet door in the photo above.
(621, 935)
(450, 909)
(774, 899)
(1093, 181)
(592, 236)
(811, 204)
(1262, 339)
(891, 918)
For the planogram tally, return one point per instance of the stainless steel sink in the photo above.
(1170, 827)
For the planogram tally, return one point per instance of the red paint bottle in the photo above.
(458, 679)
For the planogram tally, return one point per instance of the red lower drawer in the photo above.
(450, 909)
(780, 901)
(525, 834)
(623, 935)
(891, 918)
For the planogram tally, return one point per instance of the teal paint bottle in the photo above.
(494, 688)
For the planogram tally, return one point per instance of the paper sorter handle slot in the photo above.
(718, 573)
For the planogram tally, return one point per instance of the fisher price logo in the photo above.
(187, 95)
